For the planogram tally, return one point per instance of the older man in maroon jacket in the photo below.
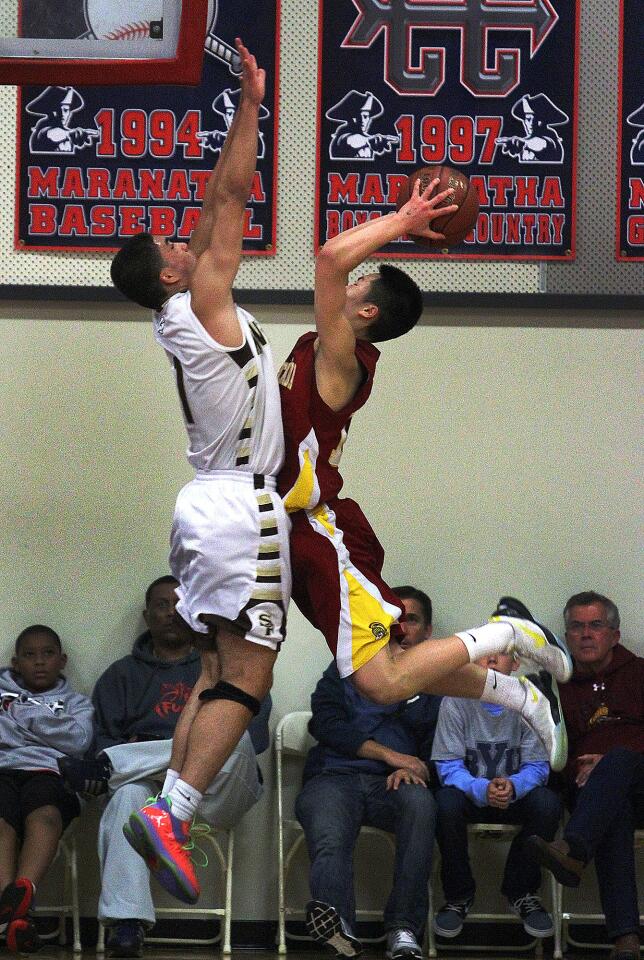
(603, 707)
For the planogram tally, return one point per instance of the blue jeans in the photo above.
(538, 812)
(606, 813)
(333, 806)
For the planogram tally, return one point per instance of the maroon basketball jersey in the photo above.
(314, 434)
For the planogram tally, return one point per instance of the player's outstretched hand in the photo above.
(253, 79)
(421, 208)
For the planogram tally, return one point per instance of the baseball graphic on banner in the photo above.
(212, 15)
(114, 20)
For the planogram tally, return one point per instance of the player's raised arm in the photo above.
(217, 240)
(337, 370)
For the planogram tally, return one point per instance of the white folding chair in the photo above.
(572, 916)
(222, 843)
(292, 743)
(496, 832)
(69, 907)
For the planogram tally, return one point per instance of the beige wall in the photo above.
(490, 460)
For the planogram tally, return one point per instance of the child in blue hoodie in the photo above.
(41, 720)
(492, 769)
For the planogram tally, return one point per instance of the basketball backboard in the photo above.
(102, 41)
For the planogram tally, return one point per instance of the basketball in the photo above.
(455, 225)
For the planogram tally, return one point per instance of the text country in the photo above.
(496, 228)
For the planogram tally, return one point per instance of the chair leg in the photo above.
(75, 910)
(100, 943)
(556, 910)
(281, 922)
(281, 945)
(226, 949)
(67, 883)
(431, 936)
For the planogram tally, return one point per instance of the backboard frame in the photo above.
(184, 67)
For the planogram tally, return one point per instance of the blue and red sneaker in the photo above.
(161, 839)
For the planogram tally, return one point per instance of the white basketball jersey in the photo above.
(229, 395)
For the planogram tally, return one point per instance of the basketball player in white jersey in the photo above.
(229, 549)
(230, 533)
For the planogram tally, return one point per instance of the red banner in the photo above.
(98, 164)
(489, 88)
(630, 153)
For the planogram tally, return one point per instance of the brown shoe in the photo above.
(626, 948)
(556, 857)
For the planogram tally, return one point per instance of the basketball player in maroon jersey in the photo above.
(337, 559)
(335, 555)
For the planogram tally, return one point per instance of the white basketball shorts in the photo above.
(230, 554)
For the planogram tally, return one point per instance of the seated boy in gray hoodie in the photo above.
(41, 720)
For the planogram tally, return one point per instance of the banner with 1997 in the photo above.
(98, 164)
(486, 86)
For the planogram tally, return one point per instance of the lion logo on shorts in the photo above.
(379, 630)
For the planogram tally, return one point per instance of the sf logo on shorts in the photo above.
(267, 623)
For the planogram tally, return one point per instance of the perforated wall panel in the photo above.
(8, 18)
(594, 272)
(595, 269)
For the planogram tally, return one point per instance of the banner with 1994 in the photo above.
(630, 204)
(486, 86)
(98, 164)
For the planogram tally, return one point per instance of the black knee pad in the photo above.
(228, 691)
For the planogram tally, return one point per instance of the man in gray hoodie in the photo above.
(41, 720)
(138, 701)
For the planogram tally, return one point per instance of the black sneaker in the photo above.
(48, 928)
(537, 922)
(511, 607)
(448, 922)
(325, 925)
(86, 776)
(126, 939)
(534, 641)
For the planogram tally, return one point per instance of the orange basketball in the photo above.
(455, 225)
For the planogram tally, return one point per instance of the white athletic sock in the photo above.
(488, 639)
(504, 691)
(184, 800)
(171, 778)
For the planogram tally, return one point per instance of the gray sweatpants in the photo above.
(138, 773)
